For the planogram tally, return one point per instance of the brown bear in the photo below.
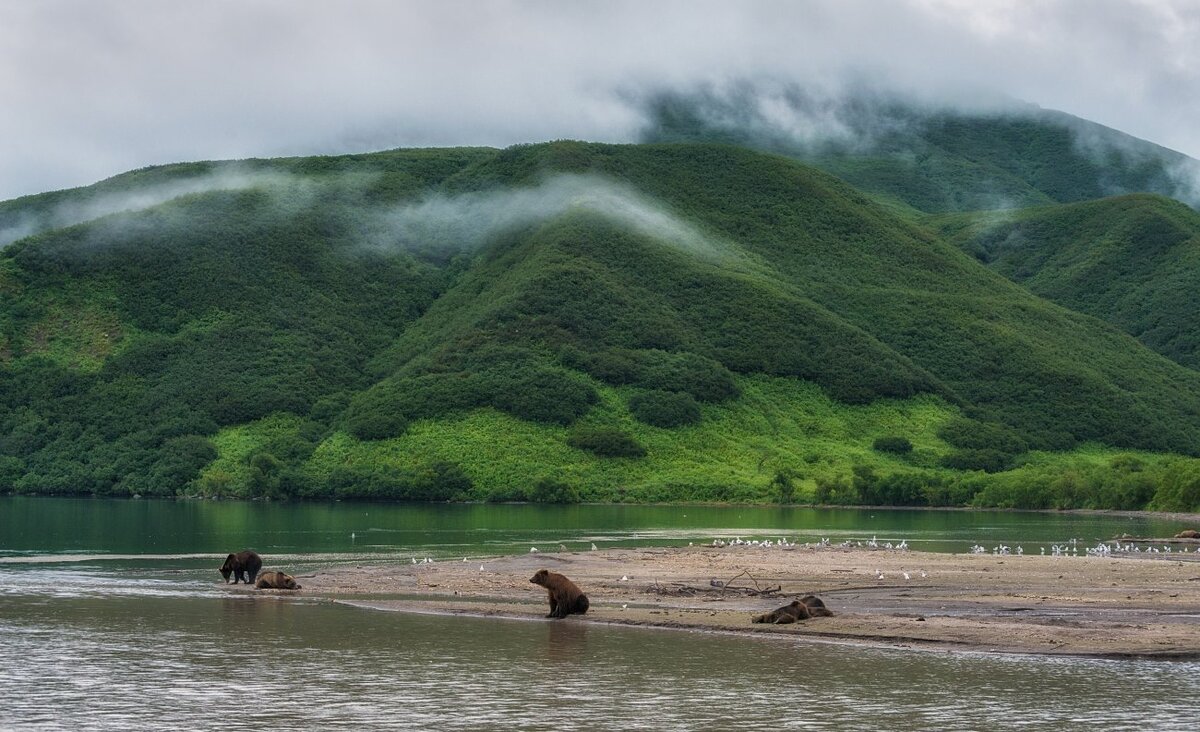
(276, 581)
(809, 606)
(816, 608)
(1188, 534)
(243, 566)
(789, 613)
(565, 596)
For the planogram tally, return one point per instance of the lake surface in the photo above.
(112, 617)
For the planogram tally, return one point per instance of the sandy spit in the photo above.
(1137, 606)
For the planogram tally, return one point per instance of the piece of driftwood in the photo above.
(716, 587)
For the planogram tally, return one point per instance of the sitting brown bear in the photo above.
(243, 566)
(565, 596)
(809, 606)
(1188, 534)
(276, 581)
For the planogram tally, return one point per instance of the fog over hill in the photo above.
(172, 81)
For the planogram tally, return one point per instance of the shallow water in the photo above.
(112, 617)
(197, 662)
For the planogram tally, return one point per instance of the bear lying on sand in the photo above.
(806, 607)
(276, 581)
(243, 566)
(565, 596)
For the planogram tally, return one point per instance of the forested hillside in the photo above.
(560, 321)
(929, 156)
(1131, 260)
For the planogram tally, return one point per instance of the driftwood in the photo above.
(716, 587)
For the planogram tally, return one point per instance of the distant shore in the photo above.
(1192, 520)
(1137, 606)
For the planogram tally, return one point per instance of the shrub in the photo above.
(897, 445)
(664, 408)
(837, 491)
(783, 486)
(989, 461)
(550, 490)
(970, 434)
(376, 424)
(439, 481)
(606, 442)
(1179, 489)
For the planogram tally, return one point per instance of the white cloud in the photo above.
(94, 87)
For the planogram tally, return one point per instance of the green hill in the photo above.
(1133, 261)
(636, 322)
(929, 157)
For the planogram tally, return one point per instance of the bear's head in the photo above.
(227, 568)
(540, 577)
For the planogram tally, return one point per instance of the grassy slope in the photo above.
(828, 287)
(1131, 260)
(777, 423)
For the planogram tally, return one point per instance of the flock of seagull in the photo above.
(1067, 549)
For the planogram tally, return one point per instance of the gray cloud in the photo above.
(95, 87)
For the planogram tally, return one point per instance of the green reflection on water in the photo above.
(38, 525)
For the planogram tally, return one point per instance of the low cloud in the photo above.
(170, 80)
(77, 210)
(468, 220)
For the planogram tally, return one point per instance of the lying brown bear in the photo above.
(1188, 534)
(806, 607)
(243, 566)
(276, 581)
(565, 596)
(816, 608)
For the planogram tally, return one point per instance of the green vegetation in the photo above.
(897, 445)
(931, 159)
(1133, 261)
(772, 334)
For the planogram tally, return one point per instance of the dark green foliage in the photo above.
(897, 445)
(930, 158)
(527, 390)
(703, 378)
(1133, 261)
(605, 442)
(974, 435)
(551, 490)
(127, 342)
(1179, 489)
(985, 459)
(664, 408)
(783, 486)
(375, 422)
(437, 482)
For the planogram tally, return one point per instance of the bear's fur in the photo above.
(789, 613)
(276, 581)
(243, 566)
(816, 608)
(809, 606)
(1188, 534)
(565, 596)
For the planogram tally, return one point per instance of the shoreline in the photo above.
(1165, 515)
(1122, 607)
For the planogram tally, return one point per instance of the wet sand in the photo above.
(1144, 606)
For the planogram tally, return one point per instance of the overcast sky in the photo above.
(90, 88)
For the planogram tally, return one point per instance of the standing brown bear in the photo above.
(241, 565)
(565, 596)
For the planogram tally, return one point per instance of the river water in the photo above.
(112, 617)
